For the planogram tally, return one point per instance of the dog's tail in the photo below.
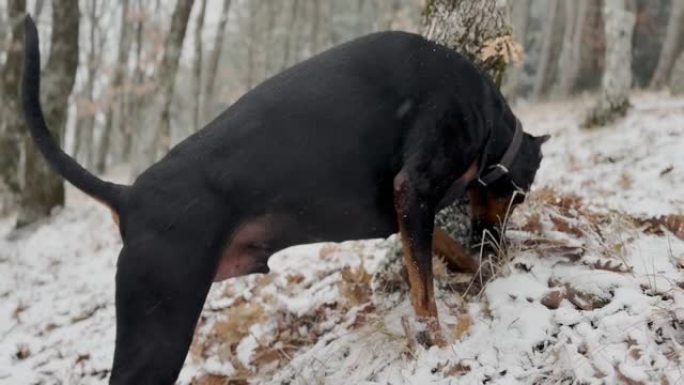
(108, 193)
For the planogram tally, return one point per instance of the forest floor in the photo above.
(589, 290)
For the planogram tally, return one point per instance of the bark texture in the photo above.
(168, 68)
(677, 78)
(197, 68)
(542, 76)
(155, 135)
(569, 61)
(214, 58)
(613, 102)
(669, 51)
(478, 29)
(11, 123)
(86, 106)
(520, 12)
(43, 189)
(115, 99)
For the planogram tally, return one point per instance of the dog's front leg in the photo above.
(415, 214)
(456, 256)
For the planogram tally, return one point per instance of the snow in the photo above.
(335, 313)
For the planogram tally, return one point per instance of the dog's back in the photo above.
(333, 126)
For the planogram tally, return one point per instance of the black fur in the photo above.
(328, 150)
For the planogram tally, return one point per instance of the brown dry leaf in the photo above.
(505, 46)
(614, 266)
(564, 226)
(327, 250)
(462, 326)
(552, 299)
(566, 201)
(239, 318)
(355, 284)
(218, 379)
(653, 225)
(623, 379)
(457, 369)
(294, 279)
(625, 181)
(533, 224)
(362, 316)
(22, 352)
(635, 353)
(630, 342)
(264, 356)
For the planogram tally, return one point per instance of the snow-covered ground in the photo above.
(590, 289)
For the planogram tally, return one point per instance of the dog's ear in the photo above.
(542, 139)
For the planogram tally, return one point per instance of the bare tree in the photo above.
(197, 67)
(251, 41)
(11, 124)
(158, 141)
(542, 76)
(287, 51)
(569, 61)
(478, 29)
(617, 74)
(43, 189)
(115, 95)
(214, 58)
(168, 67)
(86, 106)
(133, 102)
(520, 13)
(669, 51)
(38, 9)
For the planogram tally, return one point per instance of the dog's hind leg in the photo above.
(161, 285)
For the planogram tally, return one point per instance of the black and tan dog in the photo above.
(364, 140)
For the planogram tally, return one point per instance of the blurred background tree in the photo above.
(149, 73)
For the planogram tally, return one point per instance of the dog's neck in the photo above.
(497, 141)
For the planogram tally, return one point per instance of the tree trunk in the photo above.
(43, 189)
(155, 143)
(38, 9)
(480, 30)
(83, 146)
(617, 74)
(197, 68)
(11, 123)
(115, 93)
(132, 110)
(288, 38)
(214, 58)
(569, 61)
(669, 51)
(167, 70)
(272, 10)
(541, 78)
(520, 13)
(251, 44)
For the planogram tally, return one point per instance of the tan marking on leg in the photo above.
(422, 292)
(457, 257)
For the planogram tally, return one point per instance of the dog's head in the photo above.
(501, 187)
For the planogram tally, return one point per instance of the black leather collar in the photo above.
(496, 171)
